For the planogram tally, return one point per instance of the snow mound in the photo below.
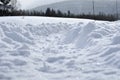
(44, 48)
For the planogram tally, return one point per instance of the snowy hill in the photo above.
(83, 6)
(43, 48)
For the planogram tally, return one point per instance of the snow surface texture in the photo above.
(41, 48)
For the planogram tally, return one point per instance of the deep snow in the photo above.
(42, 48)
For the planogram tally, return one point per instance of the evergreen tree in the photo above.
(53, 12)
(48, 12)
(69, 13)
(59, 13)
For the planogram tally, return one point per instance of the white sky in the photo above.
(27, 4)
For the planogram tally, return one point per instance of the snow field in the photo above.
(59, 49)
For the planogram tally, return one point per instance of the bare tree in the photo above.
(15, 4)
(5, 2)
(5, 5)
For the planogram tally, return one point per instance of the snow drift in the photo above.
(33, 48)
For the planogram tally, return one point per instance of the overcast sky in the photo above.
(26, 4)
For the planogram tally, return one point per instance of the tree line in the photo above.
(57, 13)
(9, 8)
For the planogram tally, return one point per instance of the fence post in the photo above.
(117, 16)
(93, 4)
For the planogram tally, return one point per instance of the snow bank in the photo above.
(33, 48)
